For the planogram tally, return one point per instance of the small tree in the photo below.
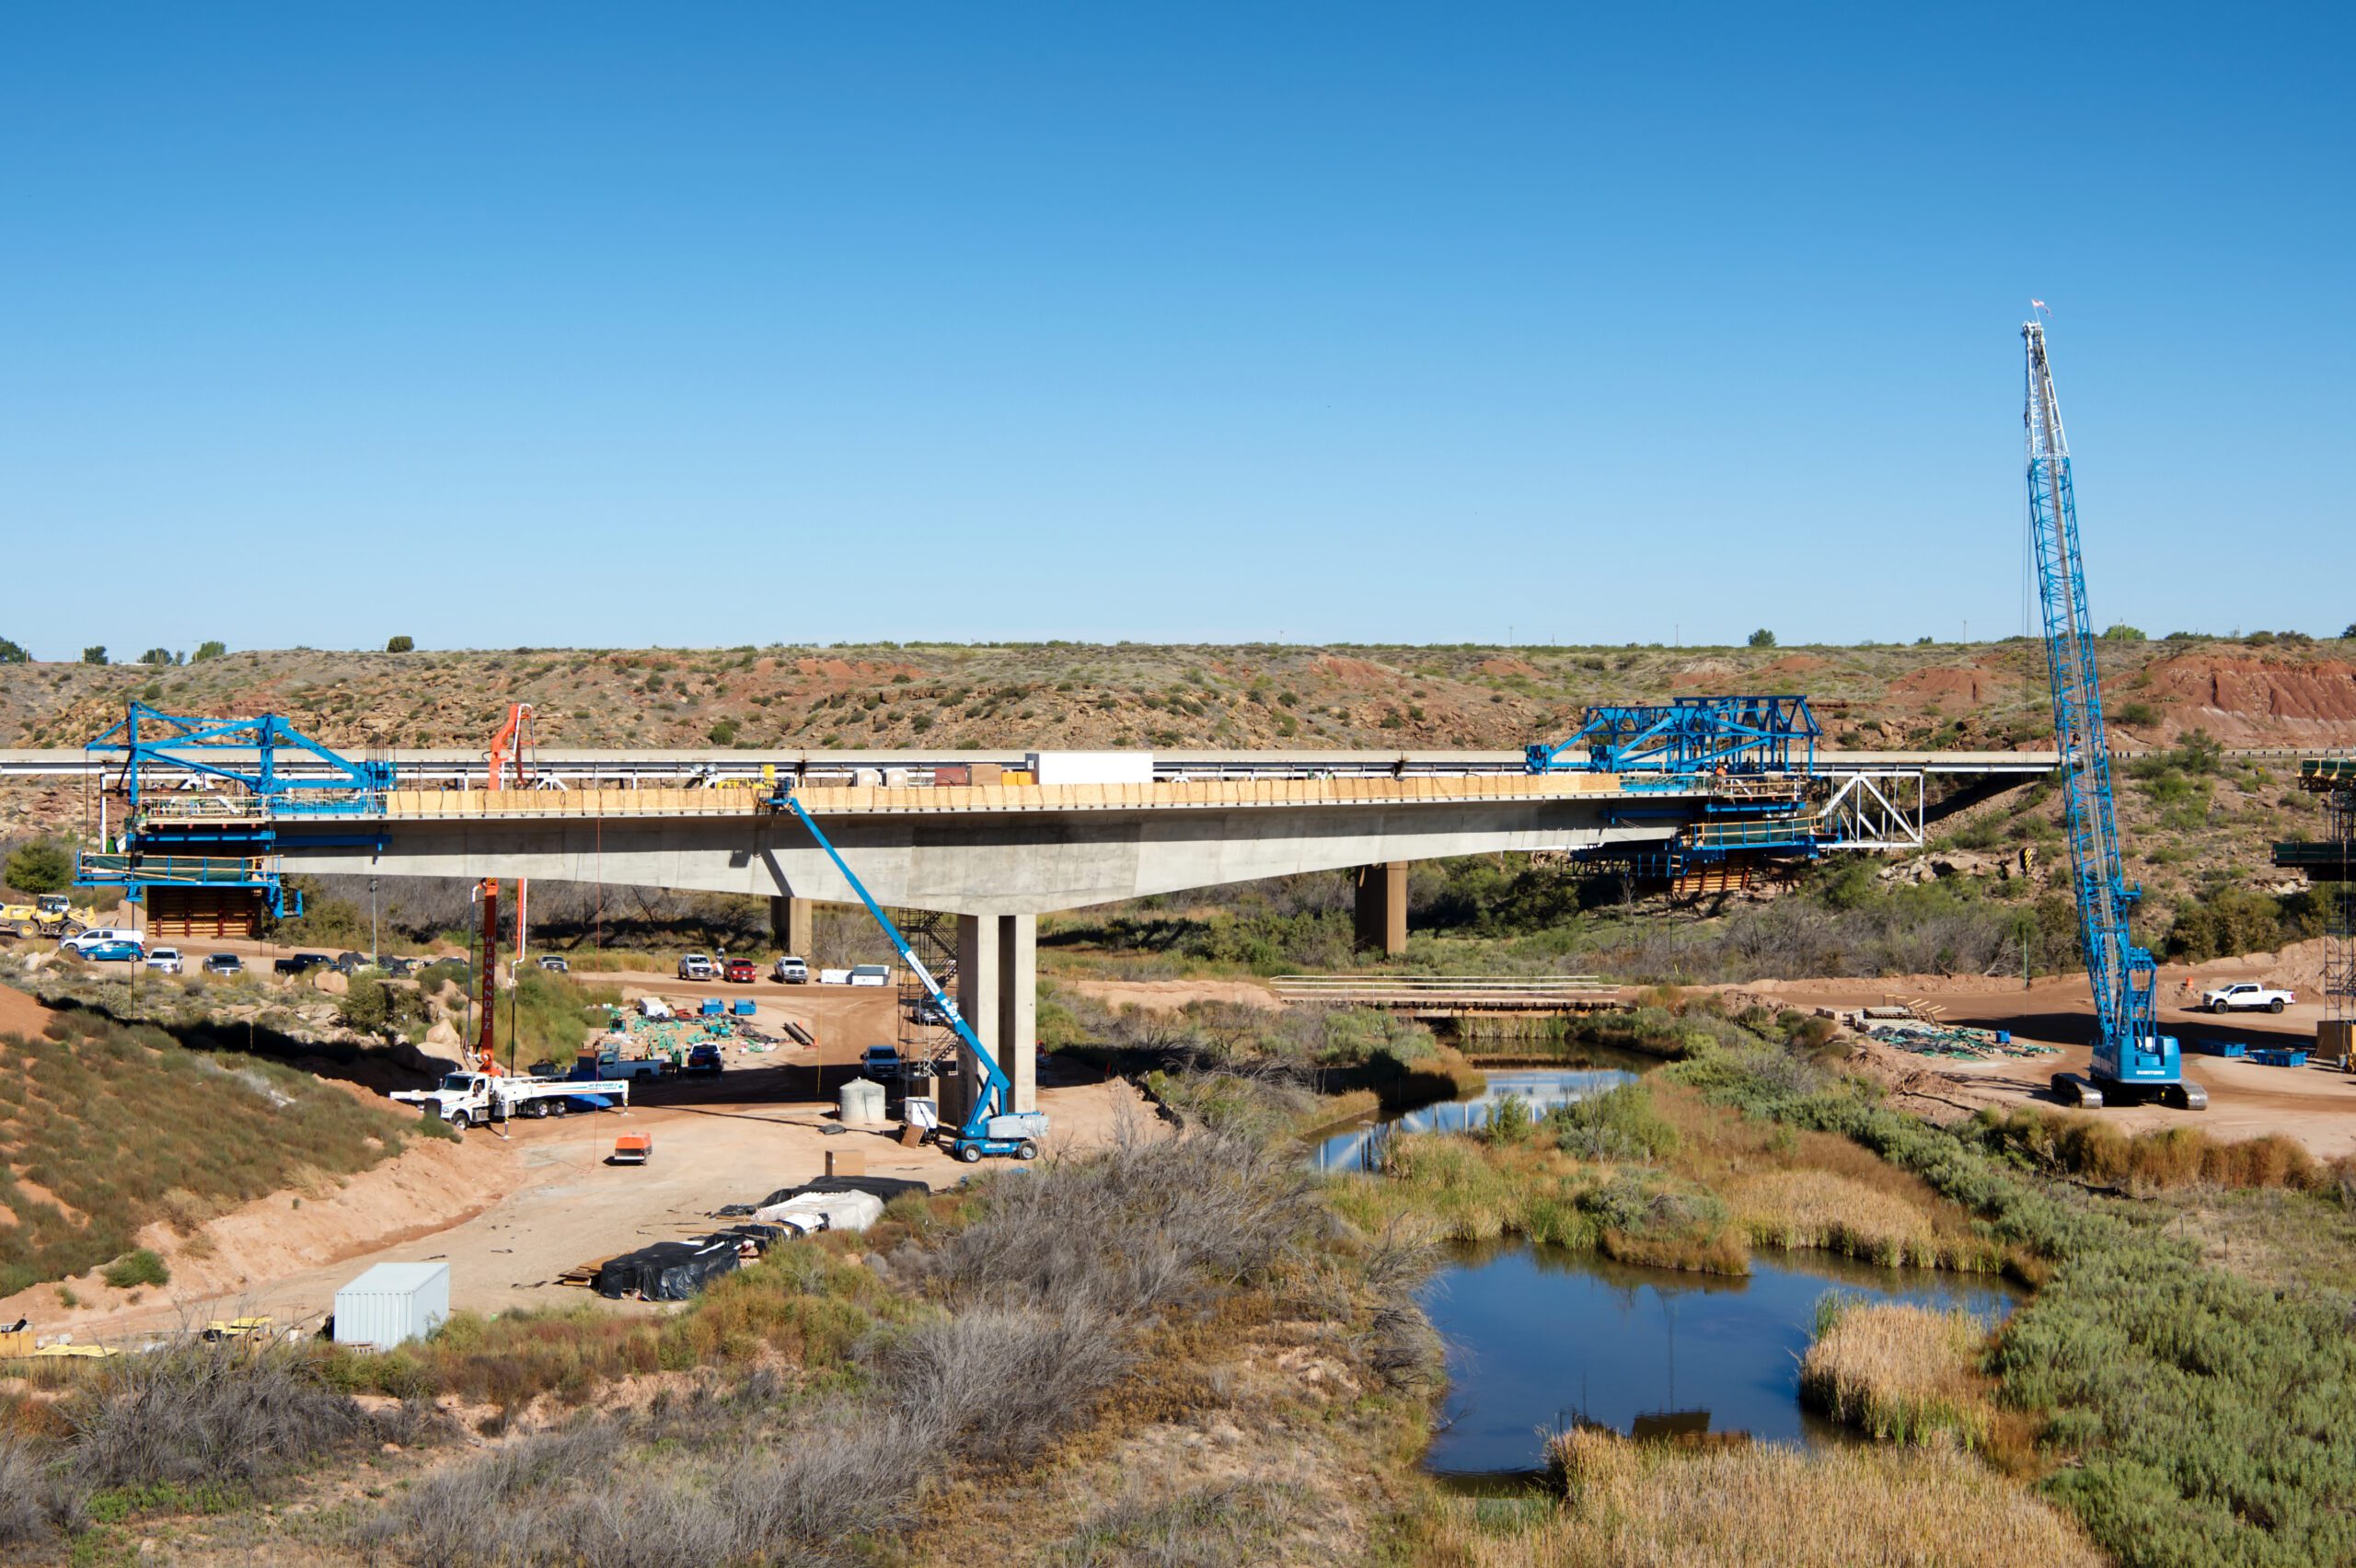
(95, 655)
(209, 649)
(13, 654)
(399, 644)
(43, 865)
(2348, 636)
(2122, 633)
(1763, 637)
(159, 656)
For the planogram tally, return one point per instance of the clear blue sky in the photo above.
(593, 325)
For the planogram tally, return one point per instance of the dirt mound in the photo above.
(1794, 664)
(1508, 667)
(1356, 673)
(1944, 684)
(21, 1014)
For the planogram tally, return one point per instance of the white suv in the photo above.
(695, 966)
(165, 961)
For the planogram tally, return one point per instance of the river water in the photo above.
(1359, 1146)
(1540, 1339)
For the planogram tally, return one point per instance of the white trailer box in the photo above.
(393, 1304)
(1091, 768)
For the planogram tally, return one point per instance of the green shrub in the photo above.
(137, 1268)
(43, 865)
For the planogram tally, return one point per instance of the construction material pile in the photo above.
(673, 1270)
(1953, 1041)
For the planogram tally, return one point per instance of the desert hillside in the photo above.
(2261, 691)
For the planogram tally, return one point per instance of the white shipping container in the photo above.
(1091, 768)
(393, 1304)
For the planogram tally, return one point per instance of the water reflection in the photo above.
(1540, 1339)
(1359, 1147)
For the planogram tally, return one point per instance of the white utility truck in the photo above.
(465, 1100)
(2246, 996)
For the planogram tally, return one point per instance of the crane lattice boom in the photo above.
(2130, 1048)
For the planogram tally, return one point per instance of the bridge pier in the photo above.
(998, 995)
(790, 922)
(1382, 907)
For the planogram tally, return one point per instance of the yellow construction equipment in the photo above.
(49, 915)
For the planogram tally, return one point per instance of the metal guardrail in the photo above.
(173, 871)
(1442, 993)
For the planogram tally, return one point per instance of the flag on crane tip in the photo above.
(2040, 305)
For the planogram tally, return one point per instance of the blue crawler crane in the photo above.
(2132, 1060)
(991, 1126)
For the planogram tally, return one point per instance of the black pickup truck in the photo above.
(302, 962)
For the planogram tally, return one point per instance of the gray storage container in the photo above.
(393, 1304)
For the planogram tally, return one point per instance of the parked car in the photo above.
(224, 963)
(112, 953)
(694, 966)
(554, 964)
(703, 1058)
(163, 961)
(101, 936)
(880, 1061)
(300, 964)
(871, 974)
(2246, 997)
(740, 970)
(790, 970)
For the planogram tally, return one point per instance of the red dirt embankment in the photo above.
(2254, 700)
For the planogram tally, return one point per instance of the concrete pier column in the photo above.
(790, 922)
(998, 995)
(1018, 1006)
(1382, 907)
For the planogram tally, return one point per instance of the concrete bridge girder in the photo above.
(980, 863)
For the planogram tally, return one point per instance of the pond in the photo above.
(1357, 1145)
(1540, 1339)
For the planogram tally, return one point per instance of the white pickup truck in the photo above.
(2245, 996)
(465, 1100)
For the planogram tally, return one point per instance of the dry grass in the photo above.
(1470, 1190)
(1836, 1212)
(1901, 1373)
(2159, 1159)
(1633, 1506)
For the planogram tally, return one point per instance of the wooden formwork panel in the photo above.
(203, 912)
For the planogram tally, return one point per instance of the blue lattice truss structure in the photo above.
(204, 798)
(1752, 760)
(1693, 737)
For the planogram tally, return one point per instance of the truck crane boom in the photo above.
(2131, 1057)
(992, 1125)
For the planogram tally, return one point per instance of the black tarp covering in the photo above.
(885, 1188)
(668, 1271)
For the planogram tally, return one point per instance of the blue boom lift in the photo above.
(2132, 1060)
(991, 1126)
